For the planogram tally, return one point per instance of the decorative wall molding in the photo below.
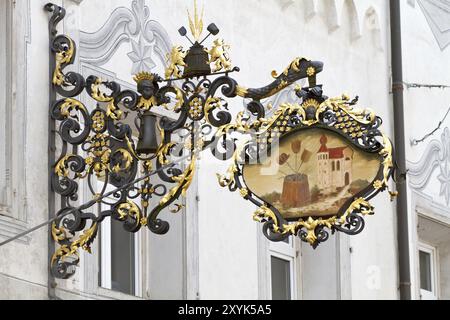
(14, 218)
(437, 13)
(10, 227)
(372, 21)
(263, 265)
(5, 96)
(436, 157)
(147, 38)
(425, 206)
(310, 8)
(333, 18)
(360, 16)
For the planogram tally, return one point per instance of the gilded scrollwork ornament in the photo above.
(115, 139)
(360, 127)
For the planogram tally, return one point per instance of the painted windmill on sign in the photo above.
(296, 191)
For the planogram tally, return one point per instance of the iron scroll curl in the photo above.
(100, 146)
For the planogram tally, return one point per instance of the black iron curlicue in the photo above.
(113, 157)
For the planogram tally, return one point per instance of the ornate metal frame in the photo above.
(359, 127)
(110, 154)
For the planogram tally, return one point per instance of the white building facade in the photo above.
(214, 249)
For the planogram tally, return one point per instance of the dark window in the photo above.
(281, 279)
(425, 271)
(122, 259)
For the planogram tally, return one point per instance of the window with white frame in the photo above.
(143, 264)
(120, 267)
(283, 269)
(428, 272)
(119, 258)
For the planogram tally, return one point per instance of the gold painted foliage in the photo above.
(196, 23)
(62, 57)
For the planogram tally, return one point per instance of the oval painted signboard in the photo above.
(312, 173)
(311, 167)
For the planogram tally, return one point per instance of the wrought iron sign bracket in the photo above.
(99, 148)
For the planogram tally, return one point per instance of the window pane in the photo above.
(122, 259)
(281, 279)
(425, 271)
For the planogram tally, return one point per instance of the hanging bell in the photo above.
(147, 143)
(197, 62)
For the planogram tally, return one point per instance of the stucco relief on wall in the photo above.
(149, 40)
(436, 157)
(437, 13)
(360, 15)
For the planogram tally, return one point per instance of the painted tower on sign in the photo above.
(334, 166)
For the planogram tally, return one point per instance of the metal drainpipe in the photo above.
(399, 128)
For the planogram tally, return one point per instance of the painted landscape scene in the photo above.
(313, 173)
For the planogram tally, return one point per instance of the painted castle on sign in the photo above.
(334, 166)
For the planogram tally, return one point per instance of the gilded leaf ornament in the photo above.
(324, 157)
(196, 23)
